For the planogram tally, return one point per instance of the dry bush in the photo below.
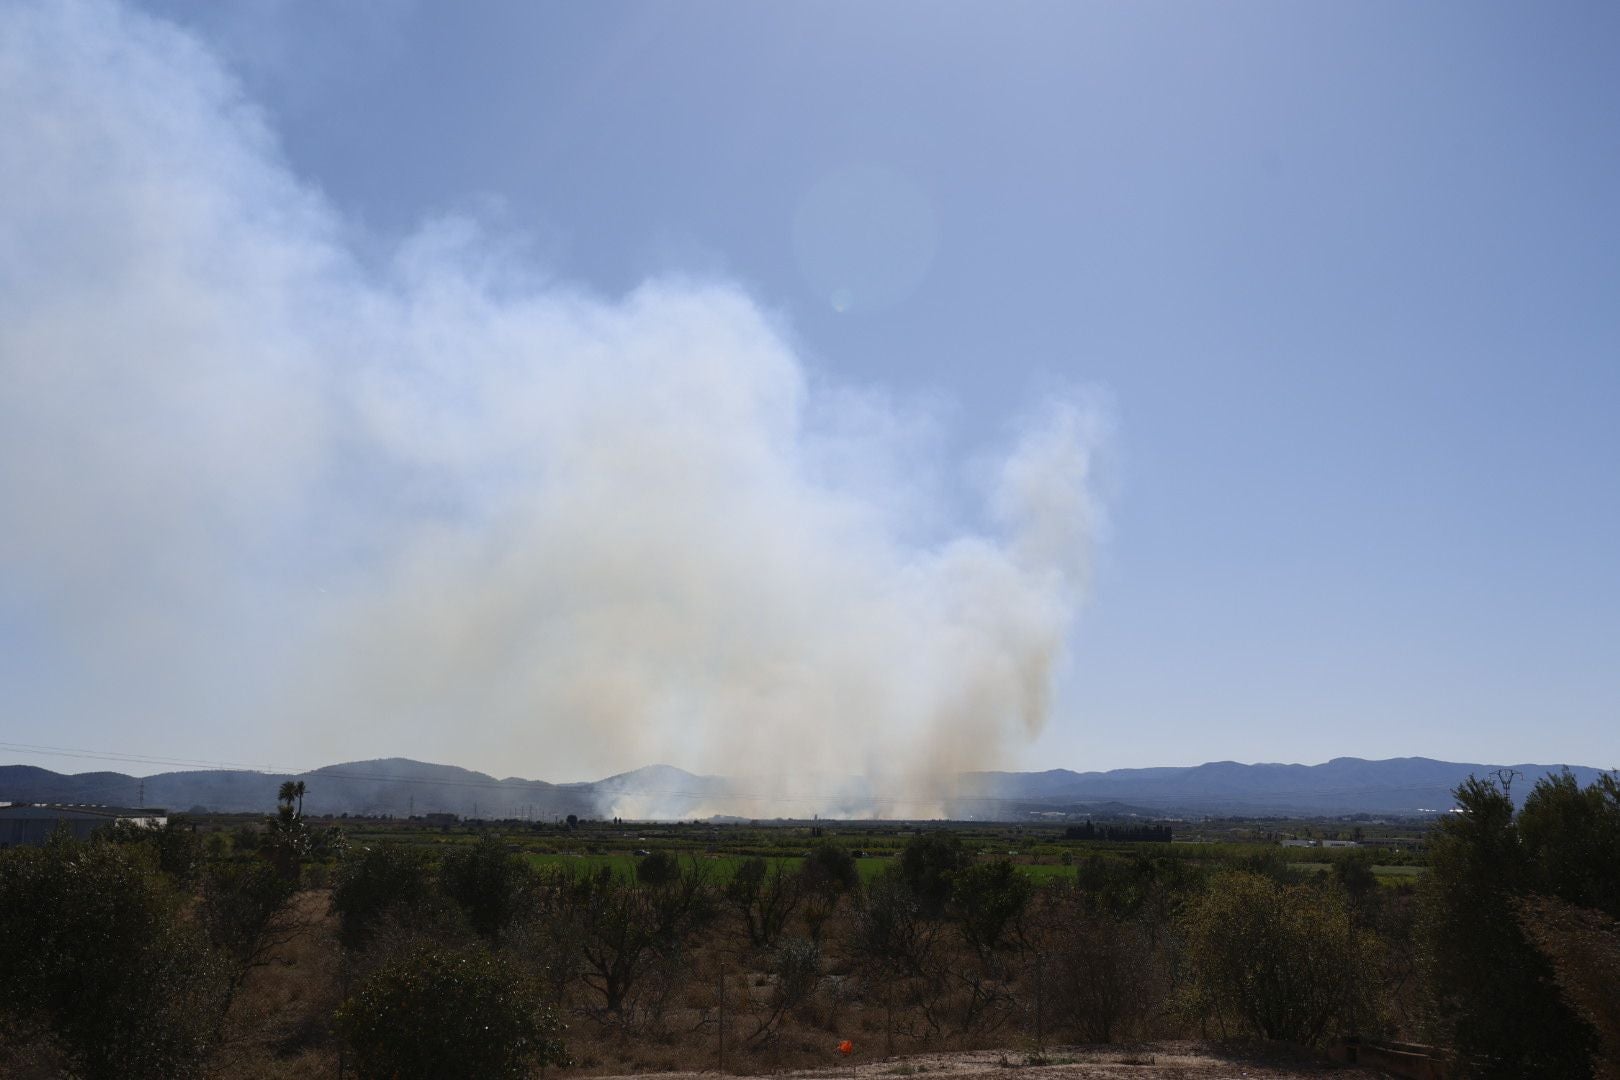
(1103, 979)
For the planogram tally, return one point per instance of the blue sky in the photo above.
(1339, 285)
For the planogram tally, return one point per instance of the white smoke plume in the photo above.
(260, 494)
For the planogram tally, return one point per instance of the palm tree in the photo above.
(291, 790)
(289, 835)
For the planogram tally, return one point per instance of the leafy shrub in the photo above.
(1278, 961)
(95, 954)
(374, 882)
(658, 868)
(432, 1012)
(176, 846)
(1138, 887)
(1571, 837)
(927, 863)
(829, 868)
(488, 882)
(989, 899)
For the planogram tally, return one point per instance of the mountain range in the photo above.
(402, 787)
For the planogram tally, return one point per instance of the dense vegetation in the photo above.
(1494, 961)
(500, 951)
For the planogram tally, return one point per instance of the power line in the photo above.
(147, 759)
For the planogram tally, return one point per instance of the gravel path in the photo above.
(1170, 1061)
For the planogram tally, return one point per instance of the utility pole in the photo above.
(1505, 777)
(140, 799)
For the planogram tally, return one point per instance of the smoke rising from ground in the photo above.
(262, 495)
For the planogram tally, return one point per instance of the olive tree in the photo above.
(626, 929)
(766, 896)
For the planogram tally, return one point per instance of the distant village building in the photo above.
(33, 823)
(1297, 842)
(1395, 843)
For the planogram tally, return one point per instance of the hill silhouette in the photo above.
(401, 786)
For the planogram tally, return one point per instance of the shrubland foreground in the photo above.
(289, 948)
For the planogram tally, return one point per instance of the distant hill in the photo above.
(397, 786)
(400, 787)
(1344, 785)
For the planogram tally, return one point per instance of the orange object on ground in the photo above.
(846, 1047)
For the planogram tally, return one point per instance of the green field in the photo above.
(719, 867)
(722, 867)
(1040, 851)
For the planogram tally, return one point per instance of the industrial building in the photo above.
(33, 823)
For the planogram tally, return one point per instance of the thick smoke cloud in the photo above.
(262, 495)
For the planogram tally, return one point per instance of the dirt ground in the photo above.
(1168, 1060)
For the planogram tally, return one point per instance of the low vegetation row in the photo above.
(145, 952)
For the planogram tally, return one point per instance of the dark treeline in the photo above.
(1135, 834)
(131, 955)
